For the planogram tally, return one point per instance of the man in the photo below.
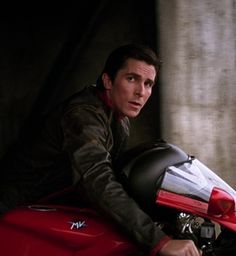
(81, 140)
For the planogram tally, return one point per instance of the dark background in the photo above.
(46, 56)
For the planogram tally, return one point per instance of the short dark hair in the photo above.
(118, 57)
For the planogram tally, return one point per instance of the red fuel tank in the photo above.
(38, 230)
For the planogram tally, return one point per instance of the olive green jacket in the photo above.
(78, 144)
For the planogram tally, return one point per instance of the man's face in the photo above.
(131, 88)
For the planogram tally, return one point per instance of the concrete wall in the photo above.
(198, 81)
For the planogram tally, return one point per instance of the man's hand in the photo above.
(180, 248)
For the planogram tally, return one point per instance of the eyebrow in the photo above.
(137, 75)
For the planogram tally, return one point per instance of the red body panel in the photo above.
(183, 203)
(60, 231)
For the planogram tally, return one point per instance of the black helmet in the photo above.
(142, 170)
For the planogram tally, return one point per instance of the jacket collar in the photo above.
(108, 102)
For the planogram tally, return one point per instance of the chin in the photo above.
(132, 114)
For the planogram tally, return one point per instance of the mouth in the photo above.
(135, 104)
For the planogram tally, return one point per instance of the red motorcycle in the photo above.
(182, 195)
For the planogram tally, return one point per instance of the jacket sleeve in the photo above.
(87, 140)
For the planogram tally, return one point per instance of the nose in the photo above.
(140, 90)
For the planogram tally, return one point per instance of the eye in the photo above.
(149, 84)
(131, 78)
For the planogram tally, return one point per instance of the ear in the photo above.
(106, 81)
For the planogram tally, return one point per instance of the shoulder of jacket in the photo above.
(86, 99)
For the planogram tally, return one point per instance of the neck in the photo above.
(106, 99)
(103, 95)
